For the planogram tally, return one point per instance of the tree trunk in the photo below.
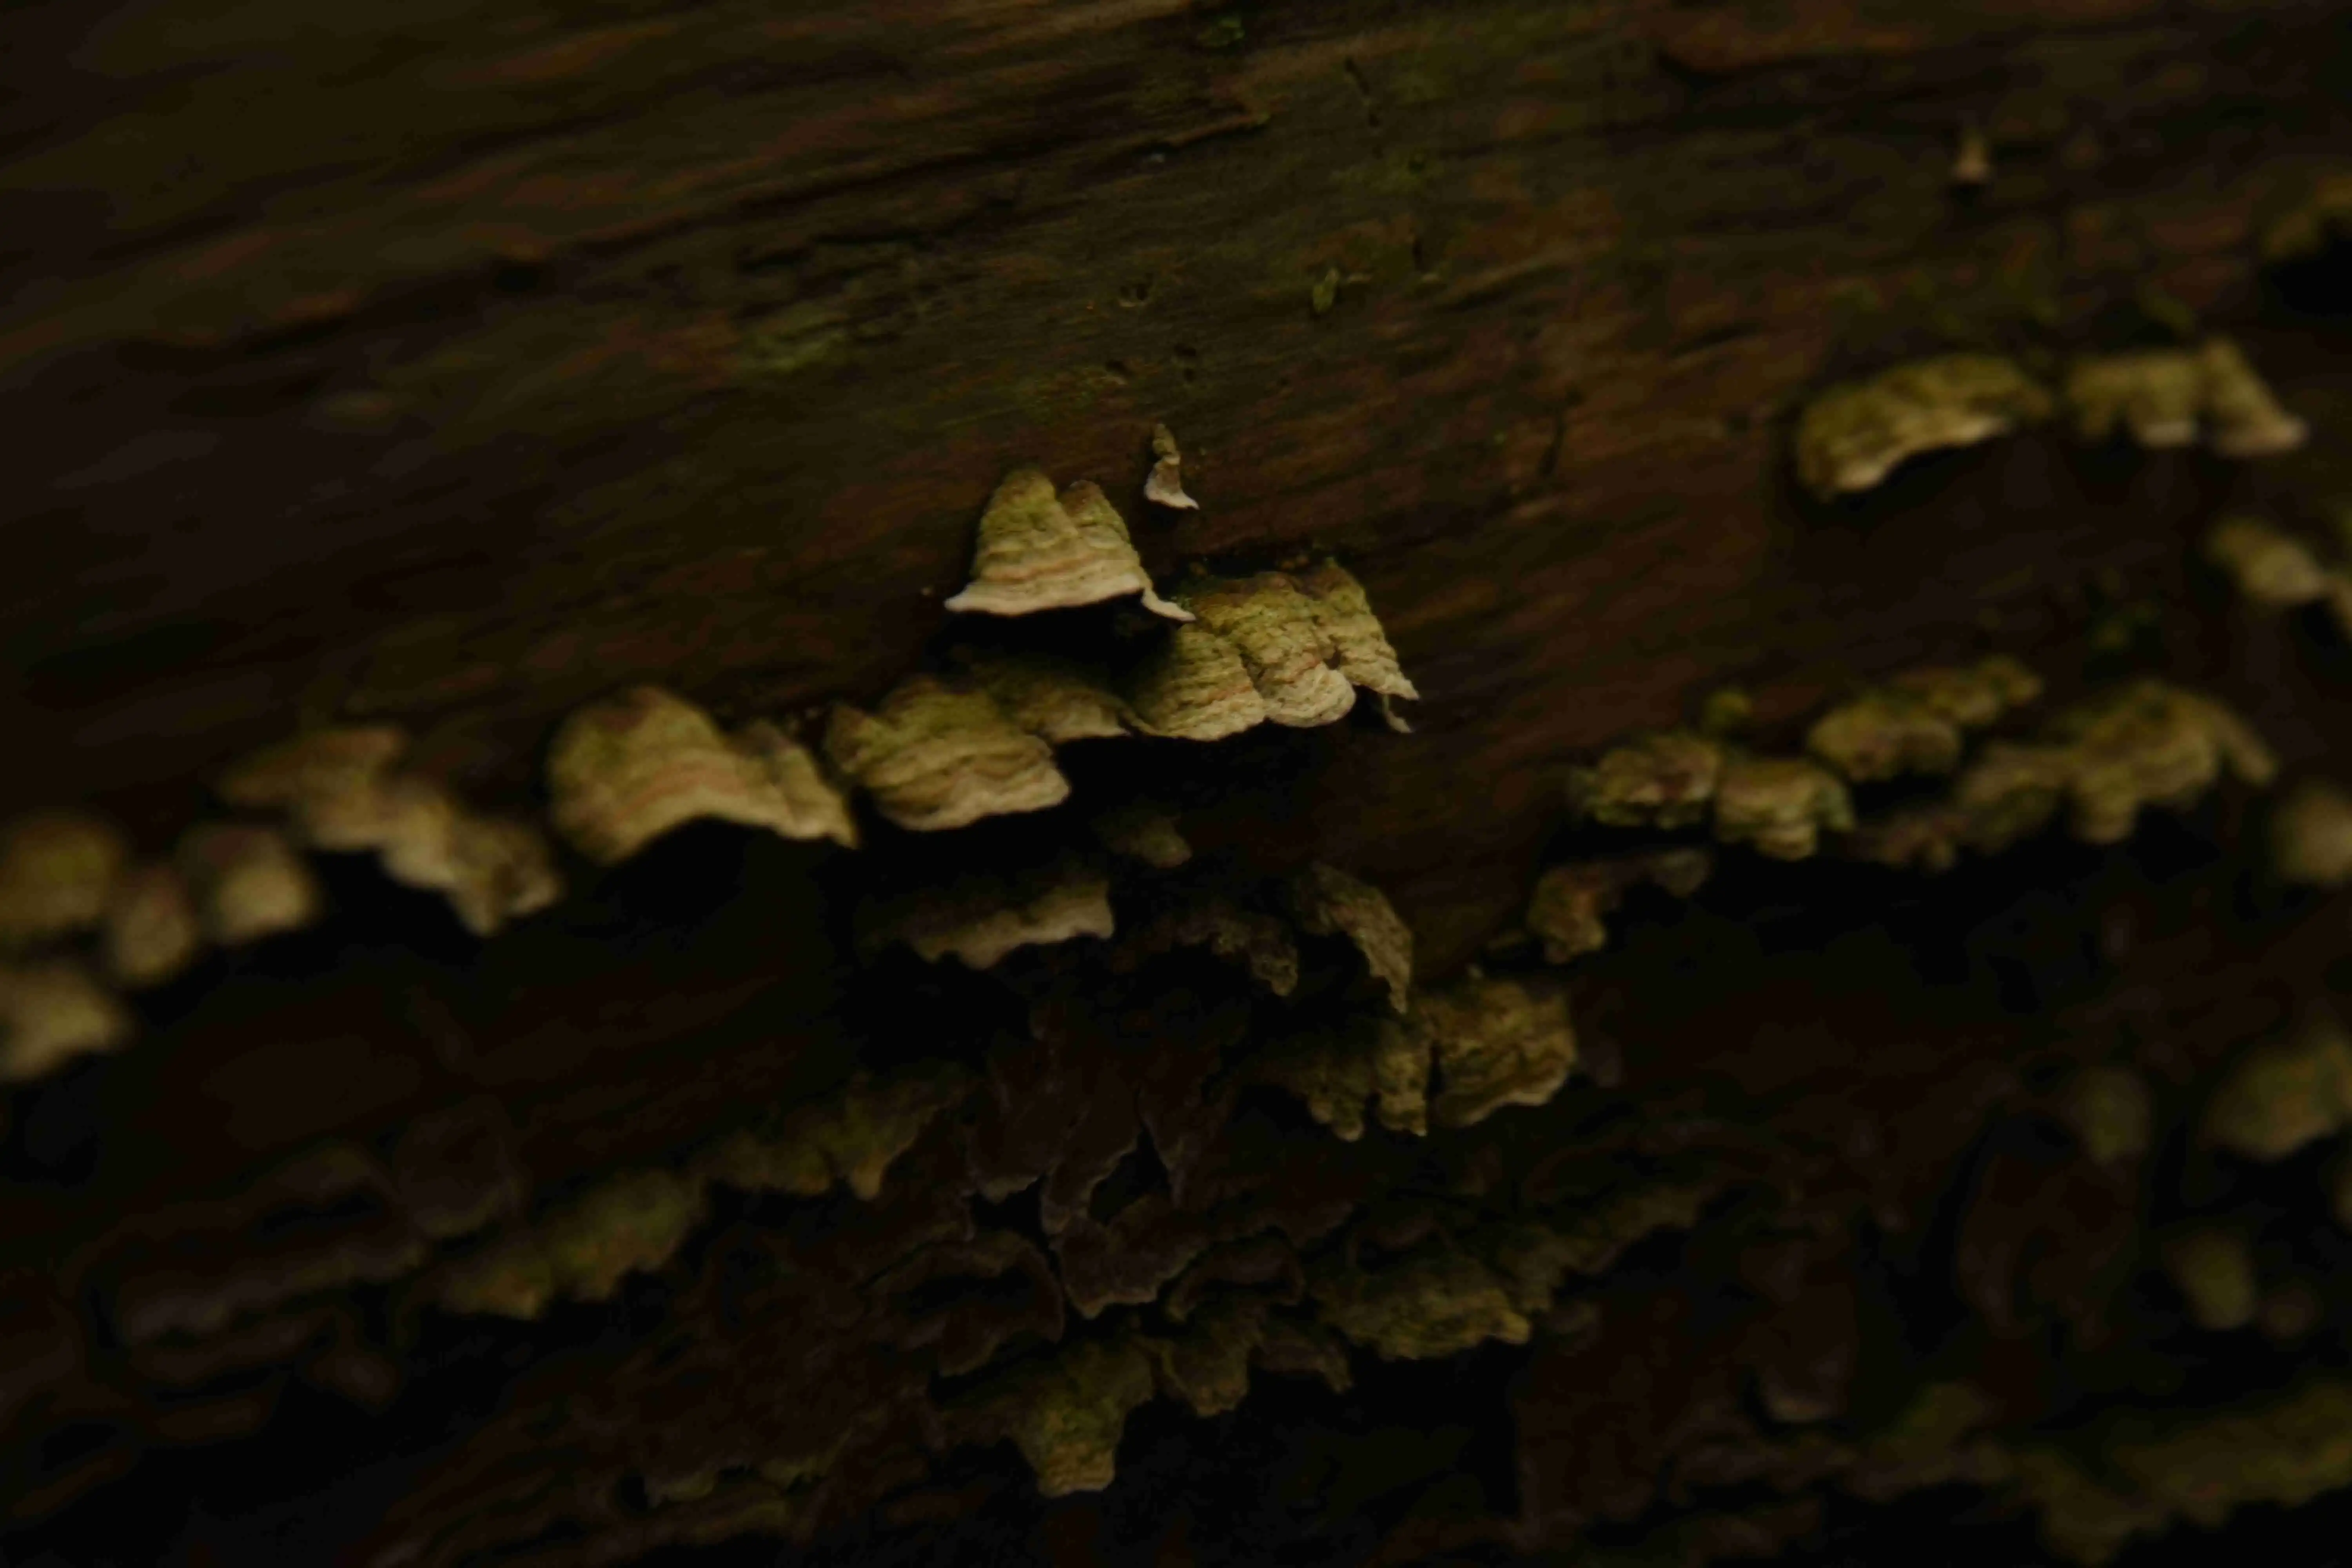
(1769, 1185)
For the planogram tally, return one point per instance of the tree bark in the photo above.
(456, 367)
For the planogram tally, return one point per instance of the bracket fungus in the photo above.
(1343, 612)
(1425, 1306)
(1490, 1043)
(2152, 744)
(1290, 658)
(1144, 833)
(979, 920)
(1165, 484)
(935, 758)
(624, 770)
(151, 931)
(853, 1137)
(2304, 232)
(1066, 1412)
(249, 882)
(1055, 700)
(1042, 551)
(1663, 780)
(2168, 397)
(1209, 919)
(2111, 1112)
(1273, 647)
(1778, 805)
(2214, 1271)
(579, 1251)
(52, 1011)
(1328, 901)
(1855, 433)
(1194, 687)
(1495, 1043)
(2311, 834)
(1566, 910)
(58, 870)
(1337, 1072)
(2244, 418)
(1917, 721)
(2284, 1094)
(2270, 567)
(2103, 761)
(338, 790)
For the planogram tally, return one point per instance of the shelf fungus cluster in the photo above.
(1854, 435)
(2095, 764)
(1001, 1117)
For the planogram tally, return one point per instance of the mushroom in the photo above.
(1040, 551)
(248, 881)
(1165, 484)
(1854, 435)
(58, 871)
(935, 758)
(626, 769)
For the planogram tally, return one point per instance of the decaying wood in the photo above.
(457, 372)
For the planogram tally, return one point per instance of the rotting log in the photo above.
(457, 372)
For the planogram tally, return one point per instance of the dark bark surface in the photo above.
(453, 366)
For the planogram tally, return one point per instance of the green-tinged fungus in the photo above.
(1290, 659)
(1778, 805)
(1039, 551)
(1664, 780)
(152, 931)
(2311, 834)
(1425, 1307)
(1916, 722)
(1054, 700)
(1495, 1043)
(1854, 435)
(1260, 943)
(58, 870)
(1344, 613)
(2111, 1112)
(2243, 416)
(2321, 218)
(2270, 567)
(627, 769)
(1328, 901)
(1142, 832)
(2214, 1271)
(1337, 1072)
(1164, 486)
(980, 919)
(1207, 1366)
(853, 1137)
(249, 882)
(51, 1011)
(1884, 735)
(2151, 744)
(581, 1251)
(2156, 396)
(1566, 910)
(1194, 687)
(1066, 1412)
(935, 758)
(337, 789)
(2284, 1093)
